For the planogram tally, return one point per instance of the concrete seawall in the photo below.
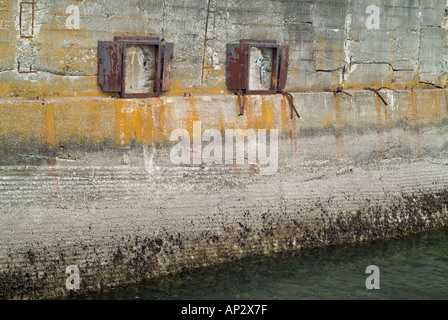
(99, 191)
(87, 178)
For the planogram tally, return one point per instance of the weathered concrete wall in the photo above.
(86, 179)
(330, 43)
(351, 169)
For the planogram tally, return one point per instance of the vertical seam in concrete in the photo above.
(347, 52)
(205, 41)
(420, 18)
(164, 28)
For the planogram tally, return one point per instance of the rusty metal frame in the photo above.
(275, 64)
(148, 41)
(244, 48)
(378, 94)
(32, 19)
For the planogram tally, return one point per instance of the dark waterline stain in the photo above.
(414, 267)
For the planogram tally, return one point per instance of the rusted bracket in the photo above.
(338, 90)
(243, 104)
(377, 92)
(291, 102)
(432, 84)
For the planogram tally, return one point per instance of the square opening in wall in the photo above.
(135, 67)
(256, 66)
(260, 68)
(140, 69)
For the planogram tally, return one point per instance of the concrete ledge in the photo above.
(33, 128)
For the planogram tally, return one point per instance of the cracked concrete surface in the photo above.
(330, 44)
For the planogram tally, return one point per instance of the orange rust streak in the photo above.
(222, 125)
(412, 107)
(249, 113)
(435, 107)
(415, 131)
(191, 115)
(266, 118)
(161, 121)
(147, 127)
(339, 137)
(136, 124)
(378, 108)
(284, 108)
(122, 124)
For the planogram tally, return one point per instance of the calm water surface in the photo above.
(414, 267)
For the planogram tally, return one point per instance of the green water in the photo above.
(414, 267)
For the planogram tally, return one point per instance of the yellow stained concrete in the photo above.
(121, 121)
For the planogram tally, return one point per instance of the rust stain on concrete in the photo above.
(379, 122)
(338, 134)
